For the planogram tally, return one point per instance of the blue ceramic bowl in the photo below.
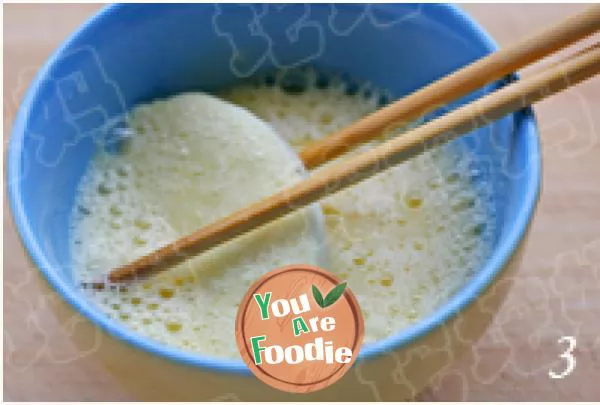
(128, 54)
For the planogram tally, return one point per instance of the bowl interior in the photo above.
(135, 53)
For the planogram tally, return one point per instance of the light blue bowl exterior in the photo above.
(129, 54)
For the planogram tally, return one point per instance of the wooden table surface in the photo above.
(556, 293)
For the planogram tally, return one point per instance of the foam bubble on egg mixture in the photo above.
(192, 160)
(405, 240)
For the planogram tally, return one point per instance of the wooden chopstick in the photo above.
(335, 178)
(455, 85)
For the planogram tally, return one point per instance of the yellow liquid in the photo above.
(404, 240)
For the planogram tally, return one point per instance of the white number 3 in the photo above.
(568, 356)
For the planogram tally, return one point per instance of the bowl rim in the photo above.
(525, 125)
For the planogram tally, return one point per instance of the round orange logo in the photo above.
(299, 328)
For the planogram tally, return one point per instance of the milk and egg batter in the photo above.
(405, 240)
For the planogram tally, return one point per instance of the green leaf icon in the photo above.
(317, 295)
(334, 295)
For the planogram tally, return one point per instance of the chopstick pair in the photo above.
(481, 112)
